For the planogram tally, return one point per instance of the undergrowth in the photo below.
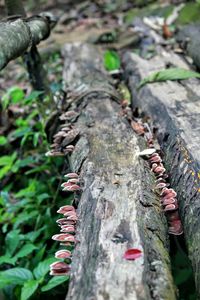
(29, 198)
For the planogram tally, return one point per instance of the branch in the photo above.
(17, 35)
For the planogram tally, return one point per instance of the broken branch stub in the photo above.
(117, 208)
(175, 109)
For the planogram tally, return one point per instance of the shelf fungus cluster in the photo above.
(63, 139)
(168, 196)
(67, 225)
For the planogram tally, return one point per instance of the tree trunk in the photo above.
(175, 109)
(117, 208)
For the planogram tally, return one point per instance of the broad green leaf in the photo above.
(169, 74)
(15, 275)
(33, 235)
(39, 255)
(12, 241)
(53, 282)
(28, 289)
(24, 217)
(25, 250)
(3, 140)
(43, 268)
(29, 191)
(111, 60)
(42, 197)
(6, 259)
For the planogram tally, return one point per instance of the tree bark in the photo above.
(16, 36)
(117, 208)
(175, 109)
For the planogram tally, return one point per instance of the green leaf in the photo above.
(3, 140)
(21, 163)
(55, 281)
(16, 94)
(12, 241)
(28, 289)
(43, 268)
(20, 132)
(6, 259)
(169, 74)
(15, 275)
(25, 250)
(33, 235)
(24, 217)
(33, 96)
(36, 137)
(111, 60)
(8, 159)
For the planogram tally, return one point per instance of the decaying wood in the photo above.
(175, 108)
(117, 209)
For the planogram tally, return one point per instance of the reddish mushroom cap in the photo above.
(71, 175)
(63, 254)
(59, 266)
(175, 227)
(66, 208)
(63, 237)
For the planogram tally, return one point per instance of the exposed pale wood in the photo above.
(175, 109)
(118, 208)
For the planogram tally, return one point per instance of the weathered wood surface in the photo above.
(117, 208)
(189, 38)
(175, 109)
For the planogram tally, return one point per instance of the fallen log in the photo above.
(117, 209)
(175, 109)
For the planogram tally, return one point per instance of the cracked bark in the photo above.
(175, 109)
(117, 209)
